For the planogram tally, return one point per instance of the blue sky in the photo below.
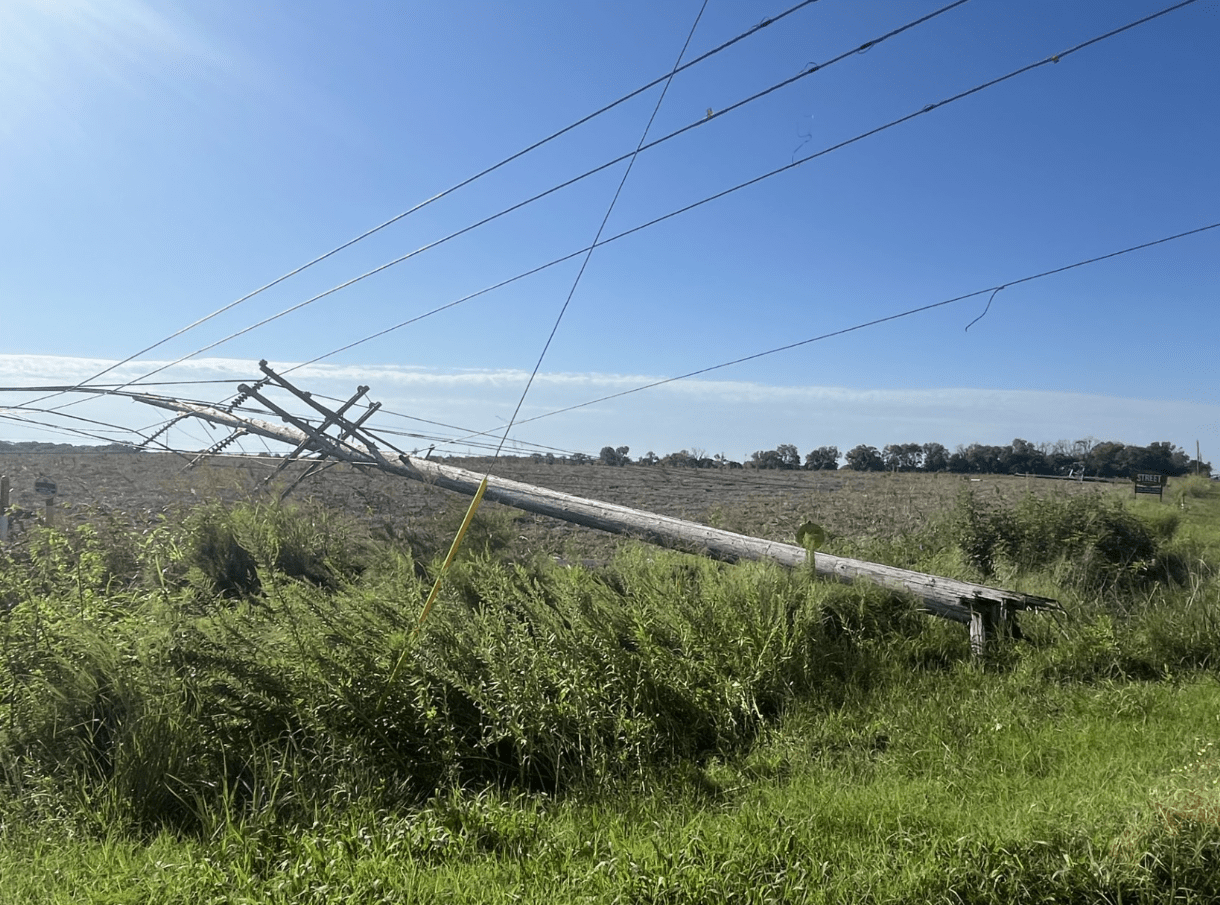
(160, 160)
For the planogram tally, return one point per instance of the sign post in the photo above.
(1150, 482)
(47, 489)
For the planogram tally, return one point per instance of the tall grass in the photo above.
(227, 679)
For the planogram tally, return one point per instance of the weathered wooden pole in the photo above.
(944, 597)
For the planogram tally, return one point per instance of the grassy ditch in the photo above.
(239, 705)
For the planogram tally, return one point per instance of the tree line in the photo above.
(1089, 456)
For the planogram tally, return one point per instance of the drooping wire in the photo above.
(8, 415)
(985, 309)
(808, 71)
(454, 188)
(748, 183)
(445, 439)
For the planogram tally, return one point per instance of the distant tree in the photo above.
(1166, 458)
(864, 458)
(764, 458)
(550, 458)
(1058, 457)
(783, 456)
(1160, 457)
(1024, 458)
(680, 459)
(614, 456)
(580, 458)
(902, 456)
(1082, 448)
(649, 458)
(935, 457)
(979, 459)
(1107, 459)
(824, 458)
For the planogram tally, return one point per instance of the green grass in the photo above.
(960, 788)
(205, 714)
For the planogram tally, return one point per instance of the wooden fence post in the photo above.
(4, 490)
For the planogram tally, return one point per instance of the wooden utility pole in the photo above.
(985, 607)
(4, 491)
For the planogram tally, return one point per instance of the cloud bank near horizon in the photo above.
(732, 417)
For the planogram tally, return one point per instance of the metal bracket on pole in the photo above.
(318, 467)
(351, 429)
(330, 419)
(316, 440)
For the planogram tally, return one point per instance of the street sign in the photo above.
(1150, 482)
(45, 487)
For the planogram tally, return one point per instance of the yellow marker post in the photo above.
(436, 585)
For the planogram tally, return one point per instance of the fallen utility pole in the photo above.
(988, 610)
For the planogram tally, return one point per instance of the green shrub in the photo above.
(1103, 544)
(230, 551)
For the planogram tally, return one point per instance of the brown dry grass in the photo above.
(767, 504)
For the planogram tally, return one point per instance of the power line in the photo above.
(927, 109)
(806, 72)
(742, 185)
(445, 439)
(65, 429)
(154, 429)
(600, 229)
(465, 182)
(101, 388)
(872, 323)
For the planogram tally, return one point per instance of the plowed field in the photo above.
(136, 488)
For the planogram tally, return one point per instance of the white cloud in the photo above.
(734, 417)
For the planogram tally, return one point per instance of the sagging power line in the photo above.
(872, 323)
(1055, 58)
(804, 73)
(753, 30)
(601, 228)
(928, 108)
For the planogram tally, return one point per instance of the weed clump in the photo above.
(228, 552)
(1095, 541)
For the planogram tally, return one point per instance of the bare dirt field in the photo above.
(136, 488)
